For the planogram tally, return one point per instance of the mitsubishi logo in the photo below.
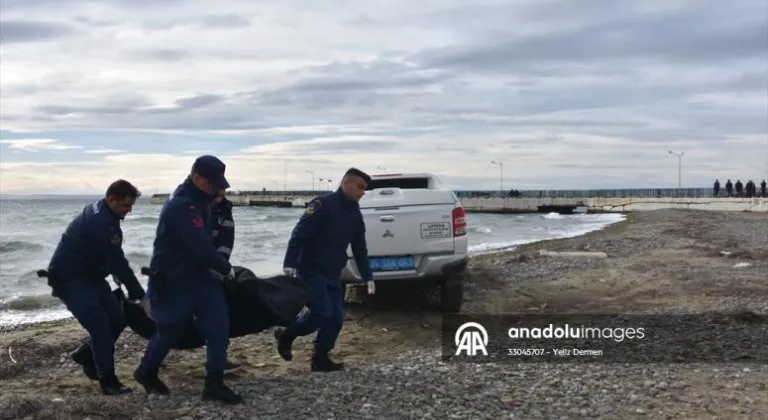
(387, 234)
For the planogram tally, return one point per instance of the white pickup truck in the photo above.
(416, 230)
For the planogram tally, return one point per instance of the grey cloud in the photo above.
(217, 53)
(95, 23)
(64, 110)
(699, 32)
(198, 101)
(748, 81)
(594, 68)
(16, 31)
(351, 146)
(223, 21)
(18, 5)
(161, 54)
(380, 74)
(132, 106)
(381, 83)
(219, 21)
(115, 106)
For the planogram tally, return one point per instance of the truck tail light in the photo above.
(459, 222)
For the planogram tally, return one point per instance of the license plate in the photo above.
(391, 263)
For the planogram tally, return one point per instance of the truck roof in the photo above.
(406, 180)
(403, 175)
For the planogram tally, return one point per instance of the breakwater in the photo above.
(493, 202)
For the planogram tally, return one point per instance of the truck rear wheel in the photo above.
(452, 294)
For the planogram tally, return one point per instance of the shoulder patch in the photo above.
(313, 207)
(115, 237)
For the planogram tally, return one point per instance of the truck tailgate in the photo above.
(406, 224)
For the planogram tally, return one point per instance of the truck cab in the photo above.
(416, 230)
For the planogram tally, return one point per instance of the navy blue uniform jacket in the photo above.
(320, 239)
(183, 247)
(223, 228)
(91, 249)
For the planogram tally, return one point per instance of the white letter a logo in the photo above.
(471, 341)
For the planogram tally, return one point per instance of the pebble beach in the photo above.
(665, 261)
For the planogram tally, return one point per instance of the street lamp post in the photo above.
(313, 180)
(501, 176)
(679, 167)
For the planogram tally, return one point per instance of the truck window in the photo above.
(402, 183)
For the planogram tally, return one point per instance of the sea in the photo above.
(31, 228)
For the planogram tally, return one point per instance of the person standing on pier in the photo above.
(762, 189)
(717, 188)
(751, 189)
(729, 188)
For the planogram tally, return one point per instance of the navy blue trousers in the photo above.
(326, 311)
(99, 312)
(205, 304)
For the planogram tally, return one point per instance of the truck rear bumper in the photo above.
(430, 267)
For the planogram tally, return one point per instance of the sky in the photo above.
(564, 94)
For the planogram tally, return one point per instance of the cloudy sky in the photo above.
(567, 94)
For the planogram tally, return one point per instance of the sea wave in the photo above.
(28, 303)
(10, 247)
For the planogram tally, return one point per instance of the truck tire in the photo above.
(452, 294)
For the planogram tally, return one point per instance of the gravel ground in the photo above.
(667, 261)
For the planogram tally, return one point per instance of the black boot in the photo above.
(215, 390)
(284, 343)
(151, 383)
(84, 357)
(110, 385)
(322, 363)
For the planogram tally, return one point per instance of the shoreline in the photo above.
(478, 256)
(662, 262)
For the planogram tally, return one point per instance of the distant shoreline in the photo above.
(31, 197)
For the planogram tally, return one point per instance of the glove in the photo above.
(230, 276)
(290, 272)
(371, 287)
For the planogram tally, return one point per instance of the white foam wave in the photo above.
(552, 216)
(486, 247)
(597, 222)
(483, 229)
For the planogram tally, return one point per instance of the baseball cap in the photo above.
(212, 169)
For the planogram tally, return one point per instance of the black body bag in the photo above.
(255, 304)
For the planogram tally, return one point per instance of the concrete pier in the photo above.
(254, 200)
(615, 204)
(532, 205)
